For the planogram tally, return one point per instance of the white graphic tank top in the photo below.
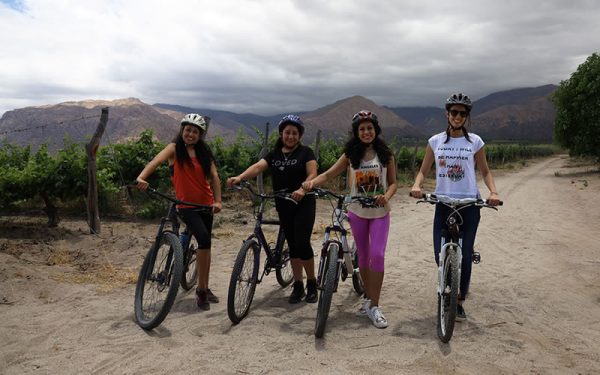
(369, 179)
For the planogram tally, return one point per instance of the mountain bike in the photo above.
(450, 260)
(171, 261)
(337, 258)
(245, 274)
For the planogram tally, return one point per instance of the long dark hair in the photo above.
(203, 153)
(355, 150)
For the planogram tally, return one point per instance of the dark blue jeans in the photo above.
(471, 216)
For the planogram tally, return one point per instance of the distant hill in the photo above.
(335, 119)
(77, 121)
(525, 114)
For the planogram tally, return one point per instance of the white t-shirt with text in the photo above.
(455, 165)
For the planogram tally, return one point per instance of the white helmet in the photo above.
(195, 119)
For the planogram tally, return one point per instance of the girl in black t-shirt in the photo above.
(292, 163)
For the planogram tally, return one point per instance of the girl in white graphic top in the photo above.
(456, 152)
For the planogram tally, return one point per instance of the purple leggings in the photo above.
(370, 236)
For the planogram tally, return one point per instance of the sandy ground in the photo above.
(66, 297)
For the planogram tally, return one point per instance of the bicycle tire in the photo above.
(448, 300)
(189, 277)
(158, 281)
(283, 271)
(327, 289)
(244, 278)
(357, 281)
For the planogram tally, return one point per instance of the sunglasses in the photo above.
(454, 113)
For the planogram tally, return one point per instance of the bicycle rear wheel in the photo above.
(330, 269)
(448, 299)
(244, 278)
(158, 281)
(357, 281)
(283, 271)
(190, 273)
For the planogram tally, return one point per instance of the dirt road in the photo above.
(534, 305)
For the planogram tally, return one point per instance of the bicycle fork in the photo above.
(339, 259)
(445, 247)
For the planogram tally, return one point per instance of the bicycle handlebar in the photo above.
(153, 191)
(455, 202)
(364, 201)
(282, 194)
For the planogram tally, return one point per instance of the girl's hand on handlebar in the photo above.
(416, 193)
(297, 195)
(141, 184)
(493, 199)
(233, 181)
(308, 185)
(381, 200)
(217, 206)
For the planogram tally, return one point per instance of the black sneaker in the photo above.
(297, 292)
(460, 313)
(311, 291)
(202, 299)
(211, 297)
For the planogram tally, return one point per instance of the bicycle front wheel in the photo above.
(283, 271)
(158, 281)
(243, 281)
(330, 268)
(448, 299)
(190, 273)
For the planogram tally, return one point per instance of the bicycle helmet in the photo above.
(196, 120)
(459, 98)
(363, 116)
(291, 119)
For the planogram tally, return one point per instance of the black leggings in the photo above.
(200, 224)
(297, 222)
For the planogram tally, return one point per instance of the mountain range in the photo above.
(520, 115)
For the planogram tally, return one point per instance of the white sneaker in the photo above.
(364, 308)
(376, 316)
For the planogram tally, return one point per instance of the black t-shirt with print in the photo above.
(289, 171)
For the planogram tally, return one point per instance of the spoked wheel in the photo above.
(190, 273)
(243, 281)
(330, 269)
(448, 300)
(357, 281)
(283, 271)
(158, 281)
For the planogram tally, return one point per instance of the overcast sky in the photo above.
(276, 56)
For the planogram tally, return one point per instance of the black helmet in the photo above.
(363, 116)
(459, 98)
(291, 119)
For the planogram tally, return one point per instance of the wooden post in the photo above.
(91, 149)
(263, 151)
(317, 145)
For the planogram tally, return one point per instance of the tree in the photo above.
(577, 101)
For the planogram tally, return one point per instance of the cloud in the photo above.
(274, 56)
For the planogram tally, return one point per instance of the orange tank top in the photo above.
(191, 184)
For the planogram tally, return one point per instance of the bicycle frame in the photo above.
(339, 218)
(344, 254)
(271, 254)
